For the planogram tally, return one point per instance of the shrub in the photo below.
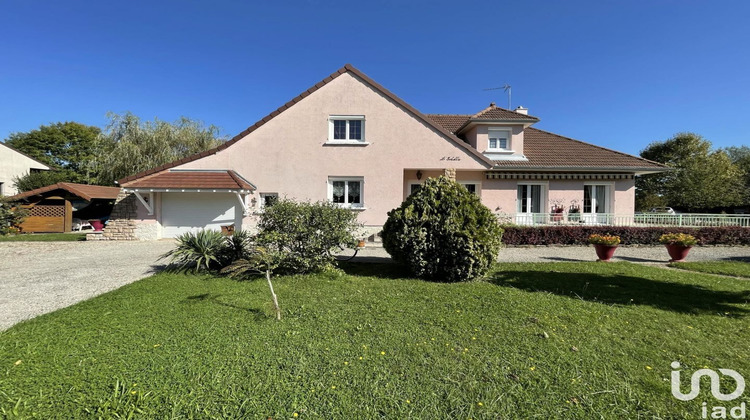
(237, 246)
(578, 235)
(306, 235)
(10, 217)
(682, 239)
(443, 232)
(200, 251)
(609, 240)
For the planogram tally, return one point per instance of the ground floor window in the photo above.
(596, 198)
(414, 188)
(347, 192)
(268, 199)
(529, 198)
(472, 187)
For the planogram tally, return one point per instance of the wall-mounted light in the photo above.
(419, 175)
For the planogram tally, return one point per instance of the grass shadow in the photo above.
(640, 260)
(737, 259)
(617, 289)
(214, 299)
(384, 270)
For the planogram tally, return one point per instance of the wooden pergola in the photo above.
(51, 208)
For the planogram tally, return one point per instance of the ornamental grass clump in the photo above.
(681, 239)
(608, 240)
(443, 232)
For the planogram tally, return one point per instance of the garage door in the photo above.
(190, 212)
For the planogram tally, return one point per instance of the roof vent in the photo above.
(492, 105)
(522, 110)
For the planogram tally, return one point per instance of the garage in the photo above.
(193, 211)
(188, 200)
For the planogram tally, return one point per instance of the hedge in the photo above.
(578, 235)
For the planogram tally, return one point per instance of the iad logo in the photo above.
(718, 412)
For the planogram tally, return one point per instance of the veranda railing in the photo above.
(638, 219)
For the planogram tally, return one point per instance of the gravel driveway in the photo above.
(40, 277)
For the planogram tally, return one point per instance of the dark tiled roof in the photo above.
(548, 150)
(451, 122)
(494, 112)
(348, 68)
(193, 180)
(87, 192)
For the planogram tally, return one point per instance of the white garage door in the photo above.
(186, 212)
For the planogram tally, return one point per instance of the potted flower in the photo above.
(678, 245)
(604, 245)
(574, 212)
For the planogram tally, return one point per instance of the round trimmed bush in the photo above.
(443, 232)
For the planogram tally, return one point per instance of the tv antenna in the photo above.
(506, 89)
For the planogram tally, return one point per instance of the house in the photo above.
(56, 207)
(15, 164)
(351, 141)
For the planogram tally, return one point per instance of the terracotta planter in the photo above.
(678, 253)
(605, 252)
(98, 225)
(361, 243)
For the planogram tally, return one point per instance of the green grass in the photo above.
(371, 344)
(44, 237)
(727, 268)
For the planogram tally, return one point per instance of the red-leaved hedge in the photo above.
(579, 235)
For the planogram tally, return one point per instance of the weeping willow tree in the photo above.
(129, 145)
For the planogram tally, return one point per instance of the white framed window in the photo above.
(346, 129)
(346, 191)
(498, 140)
(268, 200)
(597, 198)
(473, 187)
(531, 198)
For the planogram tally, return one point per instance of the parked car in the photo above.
(662, 210)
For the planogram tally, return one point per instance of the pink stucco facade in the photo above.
(293, 155)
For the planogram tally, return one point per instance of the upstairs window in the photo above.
(499, 140)
(349, 128)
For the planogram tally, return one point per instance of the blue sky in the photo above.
(617, 74)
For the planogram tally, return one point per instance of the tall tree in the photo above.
(130, 145)
(740, 156)
(700, 179)
(68, 147)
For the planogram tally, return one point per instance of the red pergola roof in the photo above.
(87, 192)
(224, 179)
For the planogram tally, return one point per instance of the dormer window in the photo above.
(499, 140)
(346, 129)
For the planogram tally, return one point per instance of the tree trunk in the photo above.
(273, 295)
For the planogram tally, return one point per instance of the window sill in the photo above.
(508, 151)
(353, 208)
(346, 143)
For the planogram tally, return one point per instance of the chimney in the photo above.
(522, 110)
(492, 104)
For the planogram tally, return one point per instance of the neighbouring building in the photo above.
(351, 141)
(15, 164)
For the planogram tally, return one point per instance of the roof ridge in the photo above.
(600, 147)
(346, 68)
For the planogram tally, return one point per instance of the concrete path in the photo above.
(637, 254)
(40, 277)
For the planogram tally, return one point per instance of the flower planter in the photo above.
(361, 243)
(605, 252)
(678, 253)
(97, 224)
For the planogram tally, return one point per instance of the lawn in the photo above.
(727, 268)
(44, 237)
(557, 340)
